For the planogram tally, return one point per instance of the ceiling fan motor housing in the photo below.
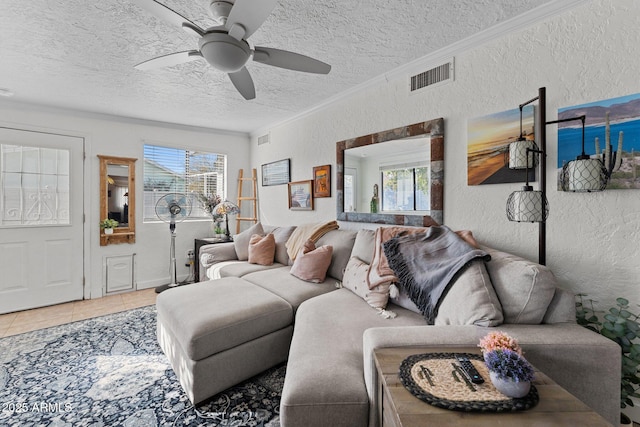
(224, 52)
(220, 10)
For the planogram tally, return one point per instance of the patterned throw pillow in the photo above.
(355, 279)
(312, 263)
(262, 249)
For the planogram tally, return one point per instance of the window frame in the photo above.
(413, 171)
(219, 170)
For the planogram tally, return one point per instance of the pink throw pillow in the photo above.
(262, 250)
(312, 263)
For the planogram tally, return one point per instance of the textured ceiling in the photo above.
(80, 54)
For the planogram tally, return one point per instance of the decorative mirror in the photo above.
(405, 140)
(117, 198)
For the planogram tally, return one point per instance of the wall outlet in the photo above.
(190, 254)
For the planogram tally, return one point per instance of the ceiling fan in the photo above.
(225, 46)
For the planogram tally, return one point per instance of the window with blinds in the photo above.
(174, 170)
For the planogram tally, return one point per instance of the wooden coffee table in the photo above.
(398, 407)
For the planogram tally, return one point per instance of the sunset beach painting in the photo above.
(624, 120)
(488, 142)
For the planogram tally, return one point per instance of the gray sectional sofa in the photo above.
(244, 318)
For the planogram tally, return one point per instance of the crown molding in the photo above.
(53, 109)
(518, 23)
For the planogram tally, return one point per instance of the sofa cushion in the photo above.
(281, 234)
(240, 268)
(525, 289)
(355, 279)
(363, 245)
(470, 299)
(209, 317)
(312, 263)
(293, 290)
(342, 242)
(401, 298)
(241, 240)
(262, 249)
(324, 383)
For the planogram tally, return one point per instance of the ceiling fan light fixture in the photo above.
(224, 52)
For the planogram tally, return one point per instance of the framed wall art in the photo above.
(488, 146)
(616, 120)
(301, 195)
(322, 181)
(276, 173)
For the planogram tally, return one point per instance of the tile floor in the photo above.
(45, 317)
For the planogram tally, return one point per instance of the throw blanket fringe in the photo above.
(426, 263)
(387, 314)
(305, 232)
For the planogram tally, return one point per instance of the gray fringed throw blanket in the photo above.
(425, 264)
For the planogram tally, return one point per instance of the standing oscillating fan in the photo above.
(172, 208)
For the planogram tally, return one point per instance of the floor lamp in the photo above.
(528, 205)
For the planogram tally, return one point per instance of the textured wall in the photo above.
(584, 55)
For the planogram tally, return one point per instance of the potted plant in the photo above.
(108, 225)
(510, 372)
(622, 326)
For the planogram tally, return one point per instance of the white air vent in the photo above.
(264, 139)
(438, 75)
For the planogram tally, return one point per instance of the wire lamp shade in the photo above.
(583, 175)
(527, 205)
(518, 154)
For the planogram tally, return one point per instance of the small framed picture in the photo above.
(322, 181)
(275, 173)
(301, 195)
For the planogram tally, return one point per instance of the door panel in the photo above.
(41, 219)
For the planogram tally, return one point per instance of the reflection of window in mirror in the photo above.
(118, 193)
(399, 168)
(405, 187)
(350, 189)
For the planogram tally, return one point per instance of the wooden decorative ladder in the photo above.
(253, 199)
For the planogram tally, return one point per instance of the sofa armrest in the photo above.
(213, 254)
(581, 361)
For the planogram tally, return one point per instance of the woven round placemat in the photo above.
(434, 378)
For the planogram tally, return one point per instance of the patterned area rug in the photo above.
(110, 371)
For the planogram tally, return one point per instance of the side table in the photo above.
(397, 407)
(196, 251)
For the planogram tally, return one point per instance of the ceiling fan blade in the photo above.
(169, 60)
(166, 14)
(290, 60)
(244, 83)
(247, 16)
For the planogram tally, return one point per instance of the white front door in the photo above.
(41, 219)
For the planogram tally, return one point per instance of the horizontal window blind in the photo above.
(174, 170)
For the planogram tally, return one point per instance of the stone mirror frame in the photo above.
(110, 180)
(433, 129)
